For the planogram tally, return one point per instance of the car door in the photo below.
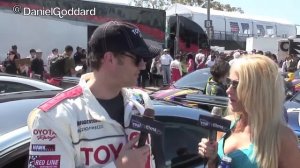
(180, 141)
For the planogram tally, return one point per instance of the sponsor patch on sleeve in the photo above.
(44, 134)
(44, 161)
(42, 148)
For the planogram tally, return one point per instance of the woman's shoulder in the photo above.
(288, 147)
(287, 134)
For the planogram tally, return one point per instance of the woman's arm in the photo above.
(289, 156)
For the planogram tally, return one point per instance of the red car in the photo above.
(194, 82)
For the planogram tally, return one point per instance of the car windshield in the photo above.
(196, 79)
(297, 97)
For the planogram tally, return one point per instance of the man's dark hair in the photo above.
(68, 48)
(14, 47)
(260, 52)
(268, 54)
(54, 49)
(32, 51)
(219, 69)
(117, 37)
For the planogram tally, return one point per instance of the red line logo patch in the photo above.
(44, 161)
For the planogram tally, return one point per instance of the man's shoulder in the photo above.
(136, 90)
(71, 93)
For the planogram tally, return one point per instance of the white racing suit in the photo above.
(74, 130)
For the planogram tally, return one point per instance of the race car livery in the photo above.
(74, 130)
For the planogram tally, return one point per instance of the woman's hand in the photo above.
(208, 150)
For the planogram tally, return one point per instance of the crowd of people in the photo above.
(161, 71)
(34, 66)
(165, 69)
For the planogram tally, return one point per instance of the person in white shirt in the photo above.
(176, 69)
(156, 71)
(165, 61)
(236, 55)
(210, 62)
(50, 57)
(199, 58)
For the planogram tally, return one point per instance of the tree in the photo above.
(162, 4)
(154, 4)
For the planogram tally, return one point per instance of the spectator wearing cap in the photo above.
(9, 64)
(37, 66)
(236, 55)
(165, 60)
(104, 100)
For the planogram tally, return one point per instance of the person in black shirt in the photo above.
(37, 66)
(14, 48)
(10, 64)
(78, 55)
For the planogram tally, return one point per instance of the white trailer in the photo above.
(44, 33)
(45, 30)
(278, 46)
(235, 22)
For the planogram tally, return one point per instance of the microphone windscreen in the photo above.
(149, 113)
(217, 111)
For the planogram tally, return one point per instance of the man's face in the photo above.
(39, 55)
(123, 68)
(33, 54)
(14, 48)
(129, 68)
(69, 53)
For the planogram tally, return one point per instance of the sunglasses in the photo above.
(137, 60)
(233, 83)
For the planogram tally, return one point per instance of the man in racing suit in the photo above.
(87, 125)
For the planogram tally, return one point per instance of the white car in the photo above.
(14, 83)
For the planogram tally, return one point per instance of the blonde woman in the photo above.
(259, 137)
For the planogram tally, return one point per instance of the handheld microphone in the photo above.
(214, 123)
(146, 124)
(217, 113)
(148, 115)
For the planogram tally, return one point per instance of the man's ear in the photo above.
(108, 57)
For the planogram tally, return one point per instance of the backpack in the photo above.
(57, 66)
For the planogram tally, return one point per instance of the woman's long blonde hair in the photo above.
(261, 91)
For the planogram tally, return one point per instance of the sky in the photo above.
(281, 9)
